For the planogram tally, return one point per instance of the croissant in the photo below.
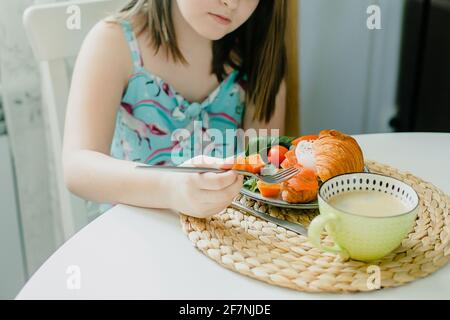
(336, 153)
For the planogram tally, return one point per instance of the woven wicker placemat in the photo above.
(263, 251)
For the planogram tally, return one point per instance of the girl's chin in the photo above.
(213, 36)
(211, 33)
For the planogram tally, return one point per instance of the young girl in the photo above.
(159, 69)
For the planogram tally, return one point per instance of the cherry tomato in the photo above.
(277, 155)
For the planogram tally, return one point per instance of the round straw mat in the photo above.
(263, 251)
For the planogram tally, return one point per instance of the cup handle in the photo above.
(315, 229)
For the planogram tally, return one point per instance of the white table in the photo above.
(143, 254)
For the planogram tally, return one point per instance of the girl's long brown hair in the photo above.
(256, 49)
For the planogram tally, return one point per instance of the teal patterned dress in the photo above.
(156, 125)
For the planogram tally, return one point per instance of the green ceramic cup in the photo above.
(362, 237)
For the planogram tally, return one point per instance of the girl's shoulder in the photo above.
(109, 33)
(107, 39)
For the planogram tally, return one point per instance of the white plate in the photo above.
(278, 202)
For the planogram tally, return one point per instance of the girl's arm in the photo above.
(277, 120)
(100, 77)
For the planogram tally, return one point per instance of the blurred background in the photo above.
(353, 79)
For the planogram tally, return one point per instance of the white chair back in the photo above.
(56, 32)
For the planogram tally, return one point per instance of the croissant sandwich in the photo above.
(321, 157)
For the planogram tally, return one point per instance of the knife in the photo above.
(294, 227)
(183, 169)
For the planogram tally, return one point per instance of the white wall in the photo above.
(22, 106)
(12, 262)
(348, 72)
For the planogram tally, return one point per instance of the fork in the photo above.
(280, 176)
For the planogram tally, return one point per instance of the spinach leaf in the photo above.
(250, 184)
(256, 144)
(286, 141)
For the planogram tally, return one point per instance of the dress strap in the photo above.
(132, 44)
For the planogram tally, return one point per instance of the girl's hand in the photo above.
(205, 194)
